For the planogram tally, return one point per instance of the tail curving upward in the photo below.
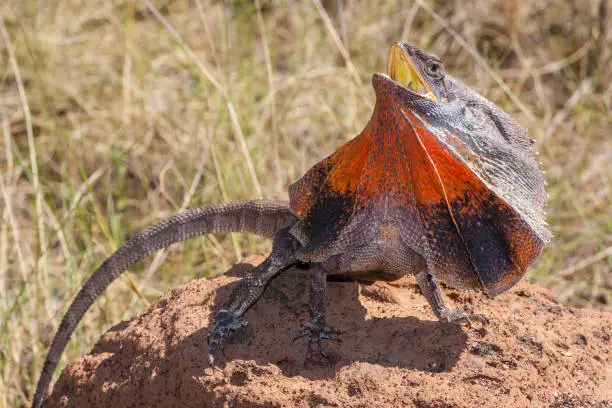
(261, 217)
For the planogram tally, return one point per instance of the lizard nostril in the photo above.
(407, 47)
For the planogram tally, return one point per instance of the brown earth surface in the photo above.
(533, 353)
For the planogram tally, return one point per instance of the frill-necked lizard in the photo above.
(441, 183)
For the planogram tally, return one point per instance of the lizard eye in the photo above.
(435, 68)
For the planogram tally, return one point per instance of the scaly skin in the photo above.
(441, 184)
(261, 217)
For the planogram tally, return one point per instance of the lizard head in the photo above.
(416, 70)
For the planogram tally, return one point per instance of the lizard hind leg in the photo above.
(230, 318)
(315, 328)
(432, 293)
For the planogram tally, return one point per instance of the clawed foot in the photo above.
(224, 324)
(462, 316)
(317, 331)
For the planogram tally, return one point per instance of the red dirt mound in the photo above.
(533, 353)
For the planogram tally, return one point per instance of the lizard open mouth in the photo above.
(401, 69)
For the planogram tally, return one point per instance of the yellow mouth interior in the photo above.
(401, 70)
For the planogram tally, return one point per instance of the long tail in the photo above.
(259, 217)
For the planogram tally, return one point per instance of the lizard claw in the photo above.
(224, 325)
(211, 361)
(317, 331)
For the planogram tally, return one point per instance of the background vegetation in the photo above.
(114, 117)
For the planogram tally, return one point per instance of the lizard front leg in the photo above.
(432, 293)
(249, 290)
(315, 329)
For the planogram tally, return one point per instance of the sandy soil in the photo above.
(533, 353)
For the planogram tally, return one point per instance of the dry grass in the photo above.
(118, 125)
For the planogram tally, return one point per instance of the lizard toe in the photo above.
(226, 326)
(316, 331)
(463, 316)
